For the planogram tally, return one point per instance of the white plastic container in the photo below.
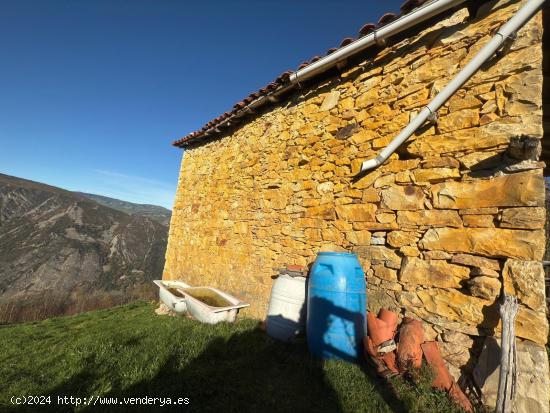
(172, 301)
(286, 314)
(210, 314)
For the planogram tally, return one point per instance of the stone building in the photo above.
(453, 218)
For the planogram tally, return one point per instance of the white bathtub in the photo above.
(173, 302)
(212, 315)
(201, 311)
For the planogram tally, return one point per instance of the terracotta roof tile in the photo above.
(283, 78)
(366, 29)
(346, 41)
(387, 18)
(409, 5)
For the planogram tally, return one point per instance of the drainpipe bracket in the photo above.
(432, 117)
(507, 42)
(380, 41)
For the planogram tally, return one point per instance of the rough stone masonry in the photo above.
(449, 221)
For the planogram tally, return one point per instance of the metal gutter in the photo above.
(507, 31)
(378, 37)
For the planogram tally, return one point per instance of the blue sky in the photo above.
(92, 92)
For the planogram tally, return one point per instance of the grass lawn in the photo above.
(129, 351)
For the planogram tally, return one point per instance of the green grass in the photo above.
(128, 351)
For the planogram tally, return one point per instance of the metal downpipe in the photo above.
(508, 30)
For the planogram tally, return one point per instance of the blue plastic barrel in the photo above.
(336, 307)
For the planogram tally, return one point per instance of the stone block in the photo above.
(475, 261)
(342, 225)
(370, 195)
(460, 339)
(356, 212)
(365, 181)
(436, 255)
(385, 273)
(478, 221)
(384, 181)
(523, 218)
(473, 139)
(462, 119)
(332, 234)
(484, 287)
(432, 218)
(478, 211)
(378, 241)
(533, 384)
(330, 101)
(525, 280)
(532, 325)
(399, 239)
(489, 242)
(364, 135)
(374, 226)
(380, 255)
(313, 234)
(435, 174)
(521, 189)
(325, 188)
(441, 162)
(416, 271)
(475, 159)
(353, 193)
(359, 237)
(385, 217)
(409, 251)
(398, 165)
(468, 101)
(486, 272)
(403, 198)
(322, 211)
(456, 306)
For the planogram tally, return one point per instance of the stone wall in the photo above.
(440, 228)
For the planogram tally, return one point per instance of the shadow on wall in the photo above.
(522, 154)
(486, 328)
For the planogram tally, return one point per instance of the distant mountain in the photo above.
(61, 252)
(155, 212)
